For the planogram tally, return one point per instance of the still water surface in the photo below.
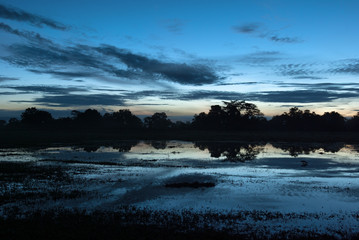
(321, 179)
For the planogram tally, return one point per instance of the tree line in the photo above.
(232, 115)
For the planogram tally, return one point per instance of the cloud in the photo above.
(152, 93)
(259, 30)
(261, 57)
(32, 36)
(248, 28)
(75, 100)
(308, 77)
(296, 96)
(22, 16)
(276, 38)
(195, 74)
(302, 96)
(104, 60)
(3, 78)
(62, 74)
(348, 67)
(46, 89)
(295, 70)
(341, 88)
(237, 83)
(173, 25)
(290, 106)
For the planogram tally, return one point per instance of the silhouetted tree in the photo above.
(65, 122)
(353, 123)
(33, 116)
(242, 108)
(89, 117)
(2, 123)
(157, 121)
(333, 121)
(297, 120)
(122, 119)
(13, 122)
(181, 125)
(200, 121)
(234, 115)
(216, 118)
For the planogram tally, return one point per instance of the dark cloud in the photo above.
(46, 89)
(75, 100)
(32, 36)
(109, 90)
(247, 28)
(10, 93)
(307, 77)
(3, 79)
(260, 31)
(219, 95)
(64, 74)
(295, 70)
(237, 83)
(276, 38)
(349, 67)
(22, 16)
(302, 96)
(94, 61)
(195, 74)
(290, 106)
(336, 87)
(173, 25)
(314, 70)
(47, 57)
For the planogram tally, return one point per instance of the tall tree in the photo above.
(158, 121)
(33, 116)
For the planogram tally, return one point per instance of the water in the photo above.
(318, 180)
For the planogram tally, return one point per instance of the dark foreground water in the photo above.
(269, 187)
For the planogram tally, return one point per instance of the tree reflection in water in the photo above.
(233, 151)
(295, 149)
(162, 144)
(123, 146)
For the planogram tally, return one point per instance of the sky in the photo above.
(178, 57)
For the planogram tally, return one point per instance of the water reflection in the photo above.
(157, 144)
(123, 146)
(232, 151)
(295, 149)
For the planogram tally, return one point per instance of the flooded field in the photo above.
(261, 188)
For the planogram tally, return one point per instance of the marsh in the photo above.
(240, 187)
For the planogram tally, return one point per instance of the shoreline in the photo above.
(40, 137)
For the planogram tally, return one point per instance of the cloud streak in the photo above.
(47, 89)
(32, 36)
(258, 30)
(196, 74)
(122, 63)
(76, 100)
(22, 16)
(297, 96)
(261, 57)
(3, 78)
(347, 67)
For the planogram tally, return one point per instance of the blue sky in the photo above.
(178, 56)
